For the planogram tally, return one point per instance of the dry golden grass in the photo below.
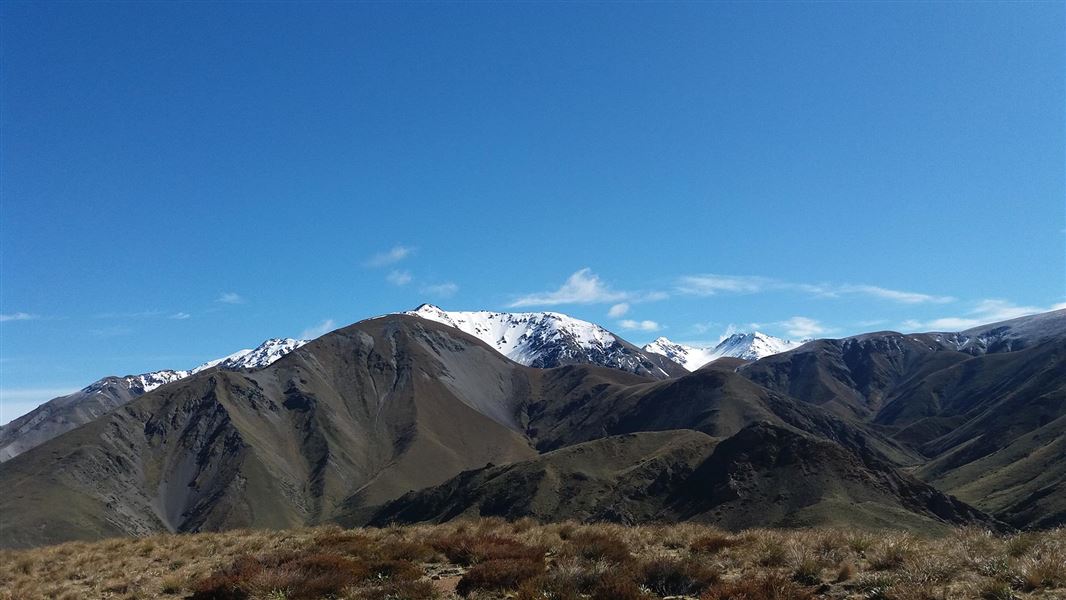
(492, 558)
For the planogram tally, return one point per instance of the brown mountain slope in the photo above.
(619, 478)
(984, 399)
(573, 405)
(768, 475)
(358, 416)
(370, 412)
(763, 476)
(60, 415)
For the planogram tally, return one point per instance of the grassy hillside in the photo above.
(492, 558)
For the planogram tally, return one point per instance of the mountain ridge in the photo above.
(64, 413)
(746, 346)
(340, 427)
(551, 339)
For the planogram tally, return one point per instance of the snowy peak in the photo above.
(254, 358)
(753, 346)
(263, 355)
(748, 346)
(689, 357)
(518, 336)
(137, 384)
(549, 339)
(64, 413)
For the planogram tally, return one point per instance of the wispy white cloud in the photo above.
(729, 330)
(712, 284)
(180, 316)
(986, 311)
(803, 327)
(631, 325)
(585, 287)
(230, 298)
(115, 331)
(398, 277)
(894, 295)
(389, 257)
(19, 316)
(139, 314)
(618, 310)
(440, 290)
(314, 331)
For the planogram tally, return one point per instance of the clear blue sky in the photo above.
(181, 180)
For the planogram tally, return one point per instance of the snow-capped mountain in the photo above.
(549, 339)
(748, 346)
(689, 357)
(1006, 336)
(249, 358)
(753, 346)
(256, 358)
(136, 384)
(64, 413)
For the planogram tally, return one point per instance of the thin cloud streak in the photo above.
(440, 290)
(19, 316)
(804, 327)
(389, 257)
(230, 298)
(398, 278)
(713, 284)
(319, 330)
(991, 310)
(632, 325)
(585, 287)
(709, 285)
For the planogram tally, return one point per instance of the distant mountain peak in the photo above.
(748, 346)
(64, 413)
(548, 339)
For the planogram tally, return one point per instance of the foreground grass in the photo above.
(523, 560)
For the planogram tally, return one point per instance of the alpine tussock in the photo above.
(492, 558)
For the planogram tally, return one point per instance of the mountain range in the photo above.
(549, 339)
(748, 346)
(431, 415)
(64, 413)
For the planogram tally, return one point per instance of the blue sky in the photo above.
(181, 180)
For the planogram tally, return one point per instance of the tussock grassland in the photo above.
(561, 561)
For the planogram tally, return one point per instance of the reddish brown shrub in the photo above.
(594, 545)
(713, 543)
(348, 543)
(219, 587)
(675, 577)
(505, 574)
(769, 587)
(541, 587)
(406, 550)
(472, 549)
(618, 588)
(302, 577)
(396, 590)
(395, 570)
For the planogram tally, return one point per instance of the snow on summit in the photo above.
(520, 336)
(689, 357)
(748, 346)
(550, 339)
(249, 358)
